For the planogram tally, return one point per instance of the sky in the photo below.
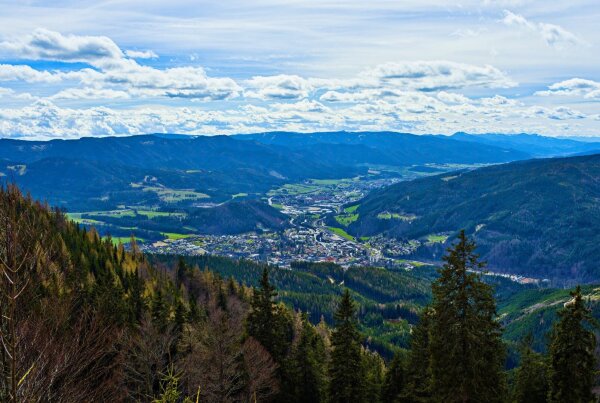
(70, 69)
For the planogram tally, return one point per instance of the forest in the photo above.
(83, 319)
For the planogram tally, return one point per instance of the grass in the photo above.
(171, 195)
(153, 214)
(395, 216)
(327, 182)
(437, 238)
(341, 232)
(174, 195)
(175, 236)
(294, 189)
(351, 209)
(124, 240)
(277, 206)
(235, 196)
(346, 219)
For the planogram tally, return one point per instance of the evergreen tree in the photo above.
(159, 310)
(307, 366)
(373, 370)
(395, 379)
(467, 354)
(418, 379)
(346, 375)
(267, 322)
(531, 378)
(572, 360)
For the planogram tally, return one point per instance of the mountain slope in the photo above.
(391, 148)
(539, 217)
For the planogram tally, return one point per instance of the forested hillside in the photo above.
(539, 218)
(85, 320)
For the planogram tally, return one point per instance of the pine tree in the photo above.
(572, 360)
(307, 366)
(267, 322)
(418, 379)
(159, 310)
(531, 378)
(373, 370)
(395, 379)
(467, 354)
(346, 375)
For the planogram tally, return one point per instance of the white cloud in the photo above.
(141, 54)
(10, 72)
(579, 87)
(281, 87)
(553, 35)
(44, 44)
(438, 75)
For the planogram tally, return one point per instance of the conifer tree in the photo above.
(572, 360)
(467, 354)
(267, 322)
(394, 380)
(373, 370)
(531, 378)
(418, 379)
(346, 375)
(307, 366)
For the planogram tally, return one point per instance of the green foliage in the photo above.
(572, 354)
(531, 378)
(535, 217)
(268, 322)
(308, 366)
(467, 353)
(346, 370)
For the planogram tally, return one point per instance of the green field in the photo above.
(346, 219)
(395, 216)
(351, 209)
(295, 189)
(437, 238)
(175, 236)
(341, 232)
(124, 240)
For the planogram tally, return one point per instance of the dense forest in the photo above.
(536, 217)
(83, 319)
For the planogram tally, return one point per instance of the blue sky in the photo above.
(88, 68)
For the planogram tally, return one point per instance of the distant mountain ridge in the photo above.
(533, 144)
(104, 172)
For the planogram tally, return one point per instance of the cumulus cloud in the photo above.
(10, 72)
(587, 89)
(438, 75)
(141, 54)
(44, 44)
(281, 87)
(553, 35)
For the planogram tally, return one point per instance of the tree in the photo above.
(267, 322)
(395, 379)
(346, 375)
(467, 354)
(373, 373)
(307, 366)
(572, 360)
(418, 378)
(531, 378)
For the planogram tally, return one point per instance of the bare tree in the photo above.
(261, 372)
(147, 359)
